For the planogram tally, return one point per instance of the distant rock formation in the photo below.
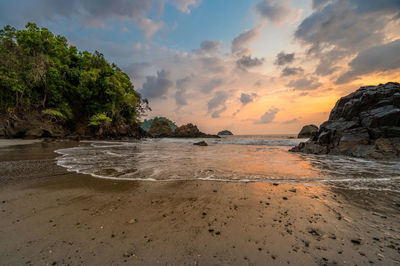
(225, 133)
(365, 123)
(307, 131)
(191, 131)
(160, 128)
(146, 124)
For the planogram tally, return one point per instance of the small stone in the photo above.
(356, 241)
(284, 198)
(293, 190)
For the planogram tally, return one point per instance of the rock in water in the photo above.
(201, 143)
(365, 123)
(307, 131)
(225, 133)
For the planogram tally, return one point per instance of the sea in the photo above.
(250, 158)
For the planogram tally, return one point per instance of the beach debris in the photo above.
(132, 221)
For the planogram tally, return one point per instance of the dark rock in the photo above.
(225, 133)
(365, 123)
(201, 143)
(191, 131)
(307, 131)
(34, 124)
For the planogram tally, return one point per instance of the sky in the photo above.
(249, 66)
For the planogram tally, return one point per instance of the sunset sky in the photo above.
(249, 66)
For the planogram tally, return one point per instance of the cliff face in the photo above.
(365, 123)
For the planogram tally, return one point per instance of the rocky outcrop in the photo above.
(31, 125)
(191, 131)
(36, 124)
(160, 128)
(225, 133)
(307, 131)
(365, 123)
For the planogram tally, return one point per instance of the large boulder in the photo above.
(225, 133)
(307, 131)
(365, 123)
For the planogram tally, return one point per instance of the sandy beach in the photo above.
(53, 217)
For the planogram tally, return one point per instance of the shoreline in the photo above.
(69, 218)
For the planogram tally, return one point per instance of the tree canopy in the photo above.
(42, 71)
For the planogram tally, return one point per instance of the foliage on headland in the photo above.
(148, 122)
(41, 71)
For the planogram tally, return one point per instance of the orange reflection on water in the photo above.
(275, 163)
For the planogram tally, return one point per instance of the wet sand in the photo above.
(50, 216)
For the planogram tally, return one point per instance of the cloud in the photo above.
(268, 116)
(209, 47)
(247, 98)
(217, 104)
(291, 121)
(337, 30)
(157, 86)
(319, 3)
(149, 27)
(304, 84)
(180, 95)
(247, 62)
(240, 42)
(375, 59)
(275, 11)
(282, 58)
(184, 5)
(211, 84)
(89, 13)
(291, 71)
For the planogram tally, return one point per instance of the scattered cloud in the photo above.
(275, 11)
(157, 86)
(182, 86)
(247, 62)
(380, 58)
(184, 5)
(240, 42)
(209, 47)
(304, 84)
(268, 116)
(217, 104)
(291, 71)
(283, 58)
(338, 30)
(247, 98)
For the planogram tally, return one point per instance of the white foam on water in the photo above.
(226, 160)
